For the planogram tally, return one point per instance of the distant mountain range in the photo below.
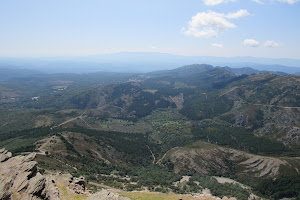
(15, 74)
(7, 73)
(144, 62)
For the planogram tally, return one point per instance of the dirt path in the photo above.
(85, 122)
(101, 157)
(65, 122)
(153, 156)
(41, 148)
(3, 125)
(163, 156)
(105, 186)
(159, 161)
(227, 91)
(73, 119)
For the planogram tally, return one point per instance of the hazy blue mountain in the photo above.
(248, 70)
(182, 71)
(145, 62)
(7, 73)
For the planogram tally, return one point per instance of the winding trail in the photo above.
(73, 119)
(163, 156)
(153, 156)
(3, 125)
(232, 89)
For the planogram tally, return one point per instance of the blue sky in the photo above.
(265, 28)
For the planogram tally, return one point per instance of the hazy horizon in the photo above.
(235, 28)
(138, 52)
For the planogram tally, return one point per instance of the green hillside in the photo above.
(152, 129)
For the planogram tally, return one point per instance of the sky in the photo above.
(225, 28)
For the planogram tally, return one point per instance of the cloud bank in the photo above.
(238, 14)
(251, 43)
(210, 24)
(288, 1)
(271, 44)
(216, 2)
(217, 45)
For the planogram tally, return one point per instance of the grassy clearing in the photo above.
(169, 122)
(15, 144)
(179, 85)
(43, 120)
(52, 164)
(65, 194)
(158, 196)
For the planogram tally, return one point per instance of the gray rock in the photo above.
(19, 178)
(4, 155)
(51, 191)
(242, 120)
(21, 182)
(5, 187)
(36, 184)
(2, 150)
(292, 137)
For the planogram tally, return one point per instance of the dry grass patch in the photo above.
(161, 196)
(66, 194)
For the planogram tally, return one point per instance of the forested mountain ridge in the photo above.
(199, 92)
(154, 125)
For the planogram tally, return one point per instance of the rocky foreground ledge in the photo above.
(20, 180)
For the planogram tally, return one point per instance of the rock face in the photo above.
(242, 120)
(292, 137)
(73, 184)
(78, 185)
(106, 195)
(20, 179)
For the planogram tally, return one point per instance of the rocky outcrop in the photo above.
(204, 158)
(72, 184)
(292, 137)
(106, 195)
(78, 185)
(4, 155)
(242, 120)
(20, 179)
(178, 100)
(286, 134)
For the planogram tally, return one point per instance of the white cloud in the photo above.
(238, 14)
(258, 1)
(271, 44)
(251, 43)
(288, 1)
(217, 45)
(210, 24)
(153, 47)
(216, 2)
